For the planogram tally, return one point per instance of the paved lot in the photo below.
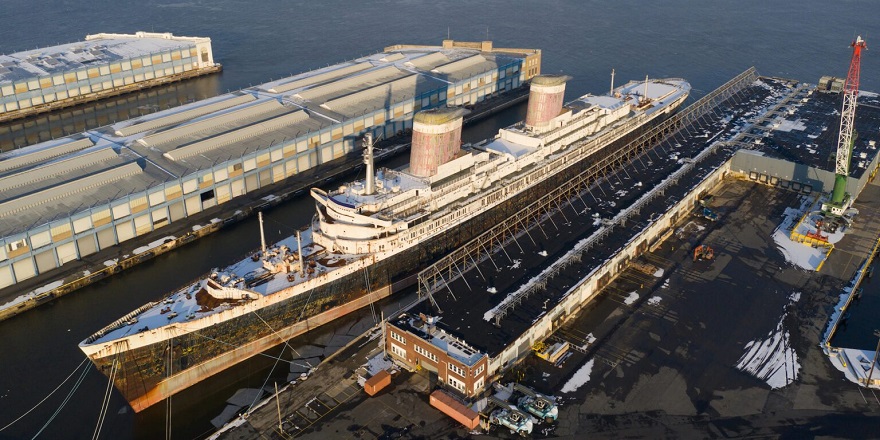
(661, 368)
(667, 368)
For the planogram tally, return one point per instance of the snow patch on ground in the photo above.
(654, 300)
(48, 287)
(632, 298)
(772, 359)
(659, 273)
(516, 264)
(154, 244)
(581, 377)
(32, 294)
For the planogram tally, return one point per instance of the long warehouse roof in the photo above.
(51, 180)
(96, 50)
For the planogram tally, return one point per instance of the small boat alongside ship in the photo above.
(369, 238)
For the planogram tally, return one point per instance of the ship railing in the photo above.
(392, 211)
(120, 322)
(550, 136)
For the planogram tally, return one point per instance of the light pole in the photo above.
(876, 352)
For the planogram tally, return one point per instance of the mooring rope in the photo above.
(47, 396)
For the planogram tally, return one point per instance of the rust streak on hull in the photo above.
(197, 373)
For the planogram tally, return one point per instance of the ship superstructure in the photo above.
(368, 237)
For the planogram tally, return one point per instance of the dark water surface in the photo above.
(703, 41)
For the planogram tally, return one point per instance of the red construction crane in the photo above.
(839, 199)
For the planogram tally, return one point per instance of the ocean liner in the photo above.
(368, 238)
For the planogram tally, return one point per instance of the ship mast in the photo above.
(368, 161)
(612, 83)
(262, 234)
(299, 252)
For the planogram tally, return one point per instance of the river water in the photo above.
(704, 42)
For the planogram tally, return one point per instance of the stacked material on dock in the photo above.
(103, 65)
(71, 197)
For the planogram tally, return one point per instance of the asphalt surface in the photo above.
(667, 369)
(660, 369)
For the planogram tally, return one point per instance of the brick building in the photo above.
(418, 342)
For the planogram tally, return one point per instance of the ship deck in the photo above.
(192, 302)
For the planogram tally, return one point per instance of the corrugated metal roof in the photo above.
(68, 189)
(314, 79)
(460, 64)
(382, 89)
(43, 154)
(386, 90)
(236, 136)
(392, 57)
(429, 61)
(340, 87)
(242, 115)
(45, 172)
(182, 116)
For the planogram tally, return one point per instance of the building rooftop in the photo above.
(96, 50)
(134, 155)
(432, 329)
(806, 131)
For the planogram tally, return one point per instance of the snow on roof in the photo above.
(514, 149)
(455, 348)
(97, 50)
(606, 102)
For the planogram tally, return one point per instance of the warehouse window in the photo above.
(479, 370)
(15, 245)
(455, 383)
(425, 353)
(397, 337)
(457, 370)
(398, 350)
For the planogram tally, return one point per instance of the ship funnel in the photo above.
(436, 139)
(545, 99)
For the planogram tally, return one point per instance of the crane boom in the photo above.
(847, 118)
